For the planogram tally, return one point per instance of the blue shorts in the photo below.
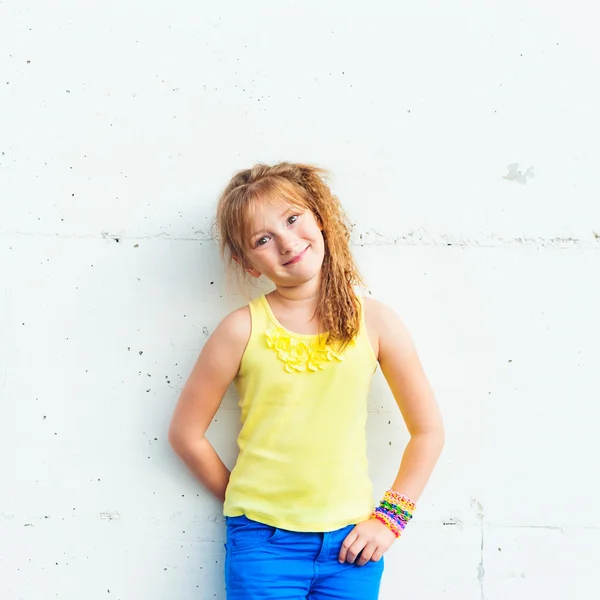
(275, 564)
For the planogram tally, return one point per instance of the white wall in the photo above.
(120, 122)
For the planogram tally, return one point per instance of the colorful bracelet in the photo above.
(394, 511)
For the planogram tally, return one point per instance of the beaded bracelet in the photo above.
(394, 511)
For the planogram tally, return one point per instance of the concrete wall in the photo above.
(463, 139)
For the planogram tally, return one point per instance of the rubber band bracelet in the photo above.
(395, 511)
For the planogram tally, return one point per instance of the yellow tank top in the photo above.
(302, 461)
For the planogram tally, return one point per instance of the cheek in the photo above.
(314, 233)
(268, 256)
(319, 244)
(320, 237)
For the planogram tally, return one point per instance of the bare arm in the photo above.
(201, 396)
(404, 373)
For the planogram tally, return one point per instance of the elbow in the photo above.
(440, 438)
(434, 438)
(182, 440)
(439, 435)
(174, 437)
(178, 440)
(435, 441)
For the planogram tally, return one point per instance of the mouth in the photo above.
(296, 258)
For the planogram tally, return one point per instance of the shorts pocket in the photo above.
(245, 533)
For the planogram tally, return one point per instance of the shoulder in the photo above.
(223, 350)
(236, 326)
(378, 314)
(386, 325)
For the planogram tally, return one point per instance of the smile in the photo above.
(296, 258)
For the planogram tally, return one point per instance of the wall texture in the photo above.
(463, 140)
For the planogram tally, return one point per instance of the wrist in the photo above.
(395, 511)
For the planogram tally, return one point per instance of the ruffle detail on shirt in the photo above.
(301, 354)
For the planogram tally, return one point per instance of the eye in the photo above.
(292, 219)
(261, 241)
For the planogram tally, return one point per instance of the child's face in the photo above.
(285, 245)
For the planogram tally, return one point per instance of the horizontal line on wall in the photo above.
(369, 238)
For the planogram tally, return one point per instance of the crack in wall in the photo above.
(420, 237)
(370, 237)
(481, 571)
(480, 566)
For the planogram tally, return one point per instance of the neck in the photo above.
(307, 292)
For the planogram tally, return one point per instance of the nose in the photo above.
(287, 243)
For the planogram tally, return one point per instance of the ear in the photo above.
(249, 269)
(254, 272)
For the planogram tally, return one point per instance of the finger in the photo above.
(350, 539)
(355, 550)
(366, 554)
(376, 555)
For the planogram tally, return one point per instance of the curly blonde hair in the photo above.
(298, 185)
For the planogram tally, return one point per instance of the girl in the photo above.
(298, 504)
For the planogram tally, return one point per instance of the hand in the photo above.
(371, 539)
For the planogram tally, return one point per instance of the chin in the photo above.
(307, 275)
(298, 278)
